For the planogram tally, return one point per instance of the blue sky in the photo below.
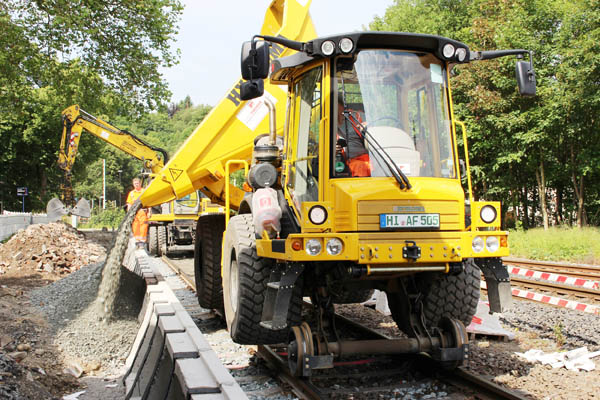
(211, 33)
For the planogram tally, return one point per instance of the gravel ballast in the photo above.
(69, 305)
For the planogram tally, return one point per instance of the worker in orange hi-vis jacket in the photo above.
(140, 223)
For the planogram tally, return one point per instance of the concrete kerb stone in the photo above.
(180, 345)
(189, 366)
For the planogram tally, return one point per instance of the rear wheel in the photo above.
(162, 240)
(153, 241)
(245, 278)
(207, 261)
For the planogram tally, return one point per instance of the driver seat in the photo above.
(400, 147)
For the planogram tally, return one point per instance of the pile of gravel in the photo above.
(574, 328)
(85, 341)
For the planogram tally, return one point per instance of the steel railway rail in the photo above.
(577, 270)
(562, 279)
(389, 371)
(461, 379)
(558, 288)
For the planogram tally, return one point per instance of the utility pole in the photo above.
(104, 184)
(120, 184)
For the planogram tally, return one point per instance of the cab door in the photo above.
(305, 138)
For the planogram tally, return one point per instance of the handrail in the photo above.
(227, 200)
(464, 134)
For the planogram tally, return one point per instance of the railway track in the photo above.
(364, 377)
(568, 281)
(591, 272)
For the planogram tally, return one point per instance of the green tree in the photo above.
(538, 156)
(102, 55)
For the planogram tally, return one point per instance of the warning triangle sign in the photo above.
(175, 173)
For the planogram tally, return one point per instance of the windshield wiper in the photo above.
(383, 155)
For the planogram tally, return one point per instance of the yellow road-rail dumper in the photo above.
(358, 186)
(173, 228)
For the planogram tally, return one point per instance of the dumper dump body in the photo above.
(228, 131)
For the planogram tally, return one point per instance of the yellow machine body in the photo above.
(228, 131)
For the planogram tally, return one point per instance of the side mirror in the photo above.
(525, 78)
(252, 89)
(255, 63)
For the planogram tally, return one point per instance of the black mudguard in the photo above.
(498, 283)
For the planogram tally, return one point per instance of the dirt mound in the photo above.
(52, 249)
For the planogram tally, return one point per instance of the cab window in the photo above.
(304, 173)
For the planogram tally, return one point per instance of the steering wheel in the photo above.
(398, 123)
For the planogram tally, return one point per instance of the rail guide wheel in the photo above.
(301, 352)
(454, 343)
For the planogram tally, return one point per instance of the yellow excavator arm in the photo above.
(76, 120)
(228, 132)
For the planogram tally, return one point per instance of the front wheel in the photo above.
(153, 241)
(245, 278)
(162, 240)
(207, 261)
(454, 296)
(451, 296)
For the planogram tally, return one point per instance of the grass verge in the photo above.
(557, 244)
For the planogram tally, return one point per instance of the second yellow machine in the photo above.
(358, 188)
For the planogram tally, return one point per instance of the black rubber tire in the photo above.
(244, 292)
(350, 297)
(162, 240)
(153, 241)
(207, 261)
(454, 296)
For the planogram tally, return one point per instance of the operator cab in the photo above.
(395, 101)
(372, 105)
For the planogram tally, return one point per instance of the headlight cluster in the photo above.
(333, 246)
(450, 52)
(491, 243)
(345, 45)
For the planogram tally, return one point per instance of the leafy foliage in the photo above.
(538, 156)
(103, 55)
(110, 217)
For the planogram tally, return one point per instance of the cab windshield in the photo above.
(397, 99)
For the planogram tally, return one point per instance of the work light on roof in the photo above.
(448, 50)
(346, 45)
(461, 54)
(328, 47)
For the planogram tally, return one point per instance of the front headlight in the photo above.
(317, 215)
(492, 244)
(488, 214)
(313, 247)
(334, 246)
(477, 244)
